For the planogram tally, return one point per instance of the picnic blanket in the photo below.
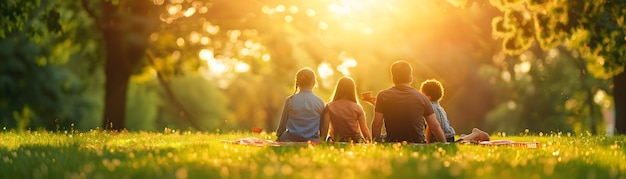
(531, 145)
(264, 142)
(253, 141)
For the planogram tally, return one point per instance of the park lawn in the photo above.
(174, 154)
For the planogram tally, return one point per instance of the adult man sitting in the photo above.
(402, 109)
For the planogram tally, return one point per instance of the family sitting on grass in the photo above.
(407, 114)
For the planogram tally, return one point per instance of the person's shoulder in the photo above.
(320, 100)
(289, 97)
(386, 91)
(331, 103)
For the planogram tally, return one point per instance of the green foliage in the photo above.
(23, 118)
(201, 98)
(15, 15)
(547, 91)
(560, 22)
(142, 105)
(170, 154)
(50, 72)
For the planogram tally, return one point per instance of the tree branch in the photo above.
(91, 13)
(170, 94)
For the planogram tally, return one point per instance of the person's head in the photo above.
(401, 72)
(305, 78)
(345, 89)
(432, 89)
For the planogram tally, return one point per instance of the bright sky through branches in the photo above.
(228, 51)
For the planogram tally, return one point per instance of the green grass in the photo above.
(99, 154)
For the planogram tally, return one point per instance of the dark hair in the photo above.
(401, 72)
(345, 89)
(305, 78)
(432, 88)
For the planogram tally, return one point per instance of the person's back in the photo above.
(434, 91)
(304, 115)
(345, 115)
(302, 112)
(404, 108)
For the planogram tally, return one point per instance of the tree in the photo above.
(544, 92)
(594, 29)
(49, 77)
(127, 27)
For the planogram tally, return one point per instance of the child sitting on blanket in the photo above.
(302, 111)
(344, 116)
(433, 90)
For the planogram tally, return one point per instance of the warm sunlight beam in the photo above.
(242, 67)
(325, 70)
(206, 55)
(347, 62)
(189, 12)
(265, 57)
(174, 9)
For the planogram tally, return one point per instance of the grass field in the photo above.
(172, 154)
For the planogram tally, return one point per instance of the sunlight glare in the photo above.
(288, 18)
(522, 68)
(205, 40)
(553, 53)
(211, 29)
(174, 9)
(203, 10)
(190, 12)
(310, 12)
(234, 35)
(601, 99)
(248, 43)
(267, 10)
(347, 62)
(339, 10)
(176, 55)
(194, 37)
(242, 67)
(158, 2)
(293, 9)
(154, 37)
(345, 7)
(344, 67)
(206, 54)
(324, 70)
(244, 52)
(511, 105)
(323, 25)
(369, 31)
(265, 57)
(180, 41)
(280, 8)
(217, 66)
(506, 76)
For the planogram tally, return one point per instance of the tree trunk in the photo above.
(125, 38)
(619, 96)
(592, 111)
(117, 73)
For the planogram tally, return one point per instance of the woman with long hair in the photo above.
(344, 118)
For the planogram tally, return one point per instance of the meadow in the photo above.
(184, 154)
